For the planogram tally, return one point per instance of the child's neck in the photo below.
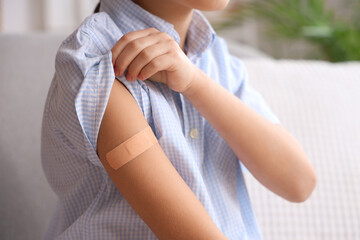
(175, 14)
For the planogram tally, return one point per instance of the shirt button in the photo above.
(194, 133)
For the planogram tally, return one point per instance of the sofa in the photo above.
(317, 102)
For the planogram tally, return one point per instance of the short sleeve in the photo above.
(85, 77)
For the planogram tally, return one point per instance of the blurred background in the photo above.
(317, 101)
(299, 29)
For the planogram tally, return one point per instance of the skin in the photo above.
(179, 12)
(149, 182)
(281, 164)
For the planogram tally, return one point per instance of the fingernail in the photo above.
(128, 77)
(117, 72)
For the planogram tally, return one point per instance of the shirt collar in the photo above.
(129, 16)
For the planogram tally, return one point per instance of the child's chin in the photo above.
(215, 5)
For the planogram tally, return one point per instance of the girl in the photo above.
(175, 76)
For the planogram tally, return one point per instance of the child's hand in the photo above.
(151, 54)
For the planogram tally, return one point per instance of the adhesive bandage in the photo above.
(131, 148)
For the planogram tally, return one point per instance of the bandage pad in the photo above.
(131, 148)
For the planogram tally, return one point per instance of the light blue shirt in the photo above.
(89, 205)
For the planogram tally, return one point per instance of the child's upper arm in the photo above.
(149, 182)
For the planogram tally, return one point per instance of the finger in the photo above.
(132, 50)
(144, 58)
(160, 63)
(118, 47)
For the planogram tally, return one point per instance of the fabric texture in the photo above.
(90, 206)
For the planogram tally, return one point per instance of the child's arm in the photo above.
(149, 182)
(267, 150)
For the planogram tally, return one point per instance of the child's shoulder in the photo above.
(97, 29)
(88, 45)
(222, 56)
(221, 62)
(220, 47)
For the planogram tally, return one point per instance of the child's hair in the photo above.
(97, 8)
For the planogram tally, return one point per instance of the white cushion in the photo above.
(319, 104)
(26, 69)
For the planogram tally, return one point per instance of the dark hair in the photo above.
(97, 8)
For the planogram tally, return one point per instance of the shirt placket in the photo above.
(192, 126)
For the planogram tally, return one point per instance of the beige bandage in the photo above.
(131, 148)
